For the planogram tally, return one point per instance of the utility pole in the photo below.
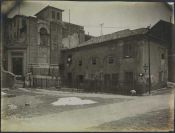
(101, 27)
(69, 29)
(19, 9)
(149, 62)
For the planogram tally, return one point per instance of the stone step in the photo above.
(19, 83)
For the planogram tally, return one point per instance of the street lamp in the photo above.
(145, 67)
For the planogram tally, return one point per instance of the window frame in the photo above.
(109, 59)
(58, 16)
(162, 56)
(42, 34)
(128, 50)
(80, 62)
(128, 78)
(53, 14)
(93, 60)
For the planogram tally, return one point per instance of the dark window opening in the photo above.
(53, 14)
(80, 63)
(14, 24)
(43, 37)
(94, 61)
(14, 35)
(23, 22)
(24, 26)
(129, 77)
(69, 78)
(128, 51)
(115, 78)
(110, 60)
(107, 79)
(58, 15)
(81, 78)
(162, 56)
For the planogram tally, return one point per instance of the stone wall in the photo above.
(120, 66)
(56, 42)
(73, 35)
(8, 79)
(102, 68)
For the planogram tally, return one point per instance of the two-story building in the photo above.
(118, 62)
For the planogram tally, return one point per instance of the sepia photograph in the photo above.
(87, 66)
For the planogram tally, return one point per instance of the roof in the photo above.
(67, 23)
(114, 36)
(45, 8)
(163, 31)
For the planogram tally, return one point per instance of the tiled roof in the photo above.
(113, 36)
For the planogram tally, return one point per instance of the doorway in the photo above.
(17, 65)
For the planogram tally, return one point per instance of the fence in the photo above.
(108, 86)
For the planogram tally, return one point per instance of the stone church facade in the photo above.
(33, 43)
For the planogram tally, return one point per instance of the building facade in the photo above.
(117, 63)
(33, 43)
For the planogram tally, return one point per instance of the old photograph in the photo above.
(89, 66)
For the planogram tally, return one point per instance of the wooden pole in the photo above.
(69, 29)
(149, 64)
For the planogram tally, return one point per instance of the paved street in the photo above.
(108, 112)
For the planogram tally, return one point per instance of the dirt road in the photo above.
(85, 118)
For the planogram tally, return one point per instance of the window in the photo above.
(23, 22)
(129, 77)
(24, 26)
(69, 79)
(14, 35)
(53, 14)
(94, 60)
(14, 24)
(80, 63)
(43, 37)
(110, 60)
(162, 56)
(115, 78)
(128, 51)
(58, 15)
(80, 78)
(107, 79)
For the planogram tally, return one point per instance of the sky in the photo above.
(114, 16)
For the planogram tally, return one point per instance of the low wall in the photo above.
(7, 79)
